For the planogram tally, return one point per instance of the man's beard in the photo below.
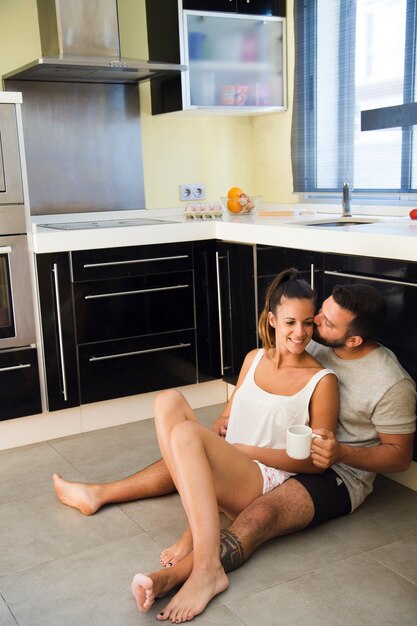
(338, 343)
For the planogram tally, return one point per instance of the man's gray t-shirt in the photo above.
(376, 395)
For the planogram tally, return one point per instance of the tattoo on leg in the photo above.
(231, 551)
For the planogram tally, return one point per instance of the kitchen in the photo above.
(217, 150)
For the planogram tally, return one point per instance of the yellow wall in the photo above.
(219, 151)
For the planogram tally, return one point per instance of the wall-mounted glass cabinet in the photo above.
(236, 55)
(234, 61)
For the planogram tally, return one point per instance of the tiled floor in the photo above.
(60, 568)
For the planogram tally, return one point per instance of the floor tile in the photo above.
(60, 567)
(218, 616)
(36, 531)
(400, 557)
(26, 472)
(91, 587)
(162, 518)
(116, 452)
(6, 617)
(120, 450)
(387, 515)
(357, 591)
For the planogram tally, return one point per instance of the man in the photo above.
(374, 434)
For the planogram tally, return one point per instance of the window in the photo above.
(353, 55)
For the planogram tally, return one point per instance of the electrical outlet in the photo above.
(192, 192)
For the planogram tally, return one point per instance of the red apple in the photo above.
(413, 214)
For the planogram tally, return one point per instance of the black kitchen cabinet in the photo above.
(233, 61)
(228, 6)
(237, 305)
(135, 319)
(207, 310)
(271, 260)
(397, 281)
(58, 330)
(262, 7)
(19, 383)
(254, 7)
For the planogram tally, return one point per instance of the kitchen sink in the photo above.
(343, 221)
(88, 225)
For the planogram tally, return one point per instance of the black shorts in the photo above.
(329, 494)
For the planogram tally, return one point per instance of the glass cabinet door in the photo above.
(235, 61)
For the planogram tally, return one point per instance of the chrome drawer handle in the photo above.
(136, 291)
(60, 334)
(127, 262)
(378, 280)
(219, 311)
(135, 353)
(15, 367)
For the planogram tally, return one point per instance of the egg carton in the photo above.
(203, 211)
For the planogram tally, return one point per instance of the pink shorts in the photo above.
(272, 476)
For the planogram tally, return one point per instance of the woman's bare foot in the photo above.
(173, 555)
(194, 595)
(78, 495)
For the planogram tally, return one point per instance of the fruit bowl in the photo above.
(242, 205)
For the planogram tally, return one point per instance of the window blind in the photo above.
(350, 56)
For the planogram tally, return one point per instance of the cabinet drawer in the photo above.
(19, 384)
(114, 309)
(131, 261)
(130, 366)
(368, 266)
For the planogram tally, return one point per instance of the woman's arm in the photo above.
(324, 409)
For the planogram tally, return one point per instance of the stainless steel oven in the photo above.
(17, 325)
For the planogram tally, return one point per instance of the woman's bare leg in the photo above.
(154, 480)
(200, 458)
(286, 509)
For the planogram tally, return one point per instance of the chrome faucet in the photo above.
(346, 212)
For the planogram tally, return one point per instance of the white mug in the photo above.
(299, 439)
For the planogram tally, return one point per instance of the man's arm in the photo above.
(393, 454)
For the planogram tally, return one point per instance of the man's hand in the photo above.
(325, 450)
(220, 426)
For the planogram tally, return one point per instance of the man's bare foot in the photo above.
(143, 590)
(173, 555)
(194, 595)
(78, 495)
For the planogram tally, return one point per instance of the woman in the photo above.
(278, 385)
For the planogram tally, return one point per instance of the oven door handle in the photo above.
(5, 249)
(60, 334)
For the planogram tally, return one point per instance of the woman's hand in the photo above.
(325, 450)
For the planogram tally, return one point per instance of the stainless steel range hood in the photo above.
(80, 43)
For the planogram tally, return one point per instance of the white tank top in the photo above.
(260, 418)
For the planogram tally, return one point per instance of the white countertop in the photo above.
(390, 237)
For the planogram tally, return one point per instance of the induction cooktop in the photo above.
(139, 221)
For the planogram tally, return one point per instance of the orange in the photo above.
(234, 205)
(234, 192)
